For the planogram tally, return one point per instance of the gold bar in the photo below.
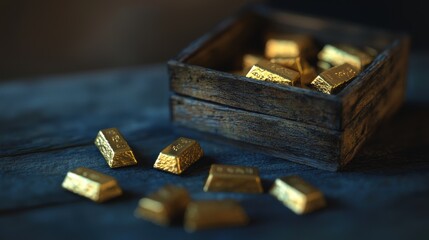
(214, 214)
(227, 178)
(114, 148)
(164, 206)
(91, 184)
(249, 60)
(288, 45)
(294, 63)
(340, 54)
(271, 72)
(297, 194)
(331, 80)
(179, 155)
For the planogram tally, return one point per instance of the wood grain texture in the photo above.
(368, 120)
(257, 96)
(300, 142)
(59, 104)
(377, 77)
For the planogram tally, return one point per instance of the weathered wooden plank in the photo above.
(263, 97)
(63, 111)
(375, 113)
(316, 146)
(374, 79)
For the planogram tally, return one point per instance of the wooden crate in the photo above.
(297, 124)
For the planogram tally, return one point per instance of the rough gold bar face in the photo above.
(267, 71)
(227, 178)
(340, 54)
(331, 80)
(249, 60)
(297, 194)
(114, 148)
(214, 214)
(179, 155)
(164, 206)
(289, 45)
(91, 184)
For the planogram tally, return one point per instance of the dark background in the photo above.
(50, 36)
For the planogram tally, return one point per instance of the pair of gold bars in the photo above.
(175, 158)
(286, 61)
(171, 203)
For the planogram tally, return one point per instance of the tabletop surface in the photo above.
(48, 125)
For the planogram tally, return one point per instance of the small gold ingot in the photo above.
(227, 178)
(340, 54)
(249, 60)
(331, 80)
(91, 184)
(114, 148)
(292, 45)
(294, 63)
(267, 71)
(214, 214)
(297, 194)
(164, 206)
(179, 155)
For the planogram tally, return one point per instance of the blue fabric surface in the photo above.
(47, 127)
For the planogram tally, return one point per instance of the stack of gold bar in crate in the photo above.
(288, 60)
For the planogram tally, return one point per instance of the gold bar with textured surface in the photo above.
(267, 71)
(214, 214)
(297, 194)
(227, 178)
(114, 148)
(91, 184)
(164, 206)
(333, 79)
(179, 155)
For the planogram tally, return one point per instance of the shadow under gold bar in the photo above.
(227, 178)
(91, 184)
